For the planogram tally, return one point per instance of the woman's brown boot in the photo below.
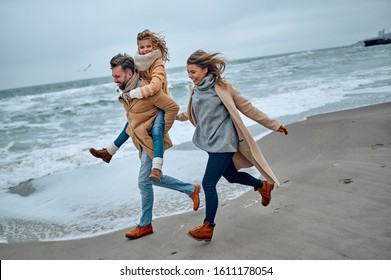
(203, 232)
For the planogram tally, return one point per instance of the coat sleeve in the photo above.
(250, 111)
(170, 108)
(158, 74)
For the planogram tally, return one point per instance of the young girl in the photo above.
(149, 60)
(213, 110)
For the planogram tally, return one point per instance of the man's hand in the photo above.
(283, 129)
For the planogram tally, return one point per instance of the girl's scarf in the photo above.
(143, 62)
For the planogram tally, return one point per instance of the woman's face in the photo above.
(145, 46)
(196, 73)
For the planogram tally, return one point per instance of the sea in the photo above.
(46, 131)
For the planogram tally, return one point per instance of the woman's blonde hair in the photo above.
(213, 61)
(157, 41)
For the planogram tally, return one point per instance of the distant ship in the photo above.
(381, 39)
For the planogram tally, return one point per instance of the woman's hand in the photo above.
(182, 117)
(283, 129)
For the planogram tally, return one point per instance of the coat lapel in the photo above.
(249, 153)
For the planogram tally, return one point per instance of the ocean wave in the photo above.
(49, 129)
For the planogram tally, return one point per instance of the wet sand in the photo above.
(333, 204)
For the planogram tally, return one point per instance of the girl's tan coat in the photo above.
(157, 77)
(141, 114)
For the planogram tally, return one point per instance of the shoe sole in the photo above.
(195, 208)
(129, 237)
(271, 188)
(199, 239)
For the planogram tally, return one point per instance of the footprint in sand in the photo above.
(378, 145)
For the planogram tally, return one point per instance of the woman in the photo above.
(213, 110)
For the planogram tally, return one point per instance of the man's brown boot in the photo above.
(266, 192)
(103, 154)
(138, 232)
(156, 175)
(203, 232)
(195, 196)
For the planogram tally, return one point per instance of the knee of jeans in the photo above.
(143, 179)
(145, 187)
(208, 186)
(230, 179)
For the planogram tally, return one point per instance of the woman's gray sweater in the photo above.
(214, 131)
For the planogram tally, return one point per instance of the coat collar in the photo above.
(128, 107)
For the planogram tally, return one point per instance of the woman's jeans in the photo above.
(146, 189)
(157, 135)
(218, 165)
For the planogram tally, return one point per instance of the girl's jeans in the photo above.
(218, 165)
(122, 137)
(157, 135)
(146, 189)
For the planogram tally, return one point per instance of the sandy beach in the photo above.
(333, 204)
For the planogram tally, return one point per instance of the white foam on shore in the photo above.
(97, 199)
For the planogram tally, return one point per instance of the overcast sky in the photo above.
(48, 41)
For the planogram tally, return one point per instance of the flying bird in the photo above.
(85, 69)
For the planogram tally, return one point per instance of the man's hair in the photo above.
(124, 60)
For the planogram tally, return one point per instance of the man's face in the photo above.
(120, 77)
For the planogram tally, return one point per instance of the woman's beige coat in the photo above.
(248, 153)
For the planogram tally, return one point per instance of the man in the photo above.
(141, 114)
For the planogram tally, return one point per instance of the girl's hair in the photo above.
(157, 41)
(213, 61)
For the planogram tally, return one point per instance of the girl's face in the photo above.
(196, 73)
(145, 46)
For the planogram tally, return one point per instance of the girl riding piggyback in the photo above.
(149, 61)
(151, 55)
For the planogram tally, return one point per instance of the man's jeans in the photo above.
(146, 189)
